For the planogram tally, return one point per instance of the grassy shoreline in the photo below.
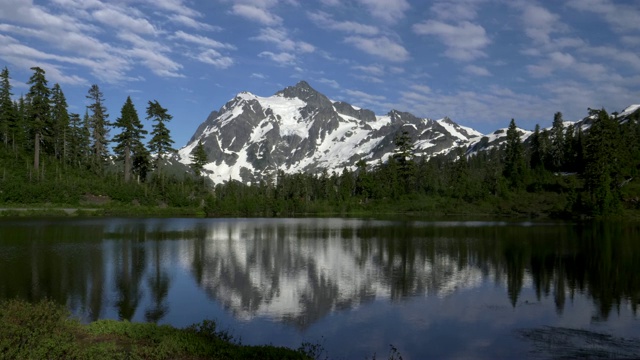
(525, 206)
(45, 330)
(48, 210)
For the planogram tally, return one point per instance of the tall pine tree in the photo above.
(198, 158)
(98, 128)
(514, 162)
(39, 118)
(536, 161)
(160, 143)
(403, 156)
(74, 143)
(7, 109)
(60, 123)
(556, 151)
(602, 155)
(130, 137)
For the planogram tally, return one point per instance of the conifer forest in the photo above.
(104, 158)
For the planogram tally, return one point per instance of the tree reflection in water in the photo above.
(299, 270)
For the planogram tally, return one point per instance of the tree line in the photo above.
(564, 171)
(45, 144)
(52, 156)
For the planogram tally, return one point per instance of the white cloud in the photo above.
(116, 18)
(334, 84)
(254, 13)
(554, 61)
(280, 38)
(381, 47)
(282, 58)
(103, 63)
(330, 2)
(305, 47)
(539, 23)
(201, 40)
(258, 76)
(76, 29)
(369, 78)
(360, 98)
(493, 105)
(464, 41)
(16, 54)
(421, 88)
(477, 70)
(151, 54)
(389, 11)
(324, 20)
(174, 7)
(192, 23)
(376, 70)
(159, 64)
(214, 58)
(611, 53)
(456, 10)
(623, 17)
(562, 59)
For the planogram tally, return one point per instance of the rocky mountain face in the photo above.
(300, 129)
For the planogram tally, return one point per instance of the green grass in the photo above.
(45, 330)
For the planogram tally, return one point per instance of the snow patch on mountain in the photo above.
(300, 130)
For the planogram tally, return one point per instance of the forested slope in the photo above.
(49, 156)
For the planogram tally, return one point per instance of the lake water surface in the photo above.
(432, 289)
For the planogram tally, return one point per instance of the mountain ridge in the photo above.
(250, 137)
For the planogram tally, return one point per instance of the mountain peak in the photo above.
(303, 85)
(303, 91)
(300, 129)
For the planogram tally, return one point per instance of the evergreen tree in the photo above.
(161, 141)
(141, 162)
(629, 155)
(556, 152)
(198, 158)
(579, 150)
(7, 108)
(514, 163)
(602, 165)
(570, 146)
(459, 178)
(75, 139)
(39, 112)
(536, 161)
(60, 122)
(98, 128)
(403, 157)
(130, 137)
(20, 134)
(346, 185)
(364, 180)
(85, 140)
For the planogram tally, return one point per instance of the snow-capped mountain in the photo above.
(300, 129)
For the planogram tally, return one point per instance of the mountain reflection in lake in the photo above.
(434, 289)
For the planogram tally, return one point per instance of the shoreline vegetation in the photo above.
(524, 205)
(45, 330)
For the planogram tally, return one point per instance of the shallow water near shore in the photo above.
(480, 289)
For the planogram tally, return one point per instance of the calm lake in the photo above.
(432, 289)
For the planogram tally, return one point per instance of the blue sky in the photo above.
(480, 62)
